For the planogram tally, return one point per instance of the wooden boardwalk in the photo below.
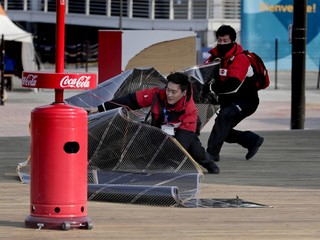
(284, 175)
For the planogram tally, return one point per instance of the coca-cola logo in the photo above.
(81, 82)
(30, 80)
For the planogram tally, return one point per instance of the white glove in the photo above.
(92, 110)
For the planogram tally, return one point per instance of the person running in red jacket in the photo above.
(173, 110)
(236, 93)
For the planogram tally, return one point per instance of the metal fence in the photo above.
(149, 9)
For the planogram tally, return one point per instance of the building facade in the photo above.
(85, 17)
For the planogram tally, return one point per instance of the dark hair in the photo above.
(227, 30)
(179, 78)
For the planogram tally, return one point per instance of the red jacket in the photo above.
(233, 69)
(183, 112)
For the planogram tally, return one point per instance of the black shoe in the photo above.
(213, 168)
(254, 149)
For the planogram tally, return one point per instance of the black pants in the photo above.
(191, 142)
(223, 129)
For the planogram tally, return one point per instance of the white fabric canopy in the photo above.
(12, 32)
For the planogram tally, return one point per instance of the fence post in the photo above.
(2, 86)
(276, 65)
(318, 83)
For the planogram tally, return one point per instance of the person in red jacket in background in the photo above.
(236, 93)
(173, 110)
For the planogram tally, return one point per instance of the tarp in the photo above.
(12, 32)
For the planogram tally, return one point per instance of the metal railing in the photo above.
(149, 9)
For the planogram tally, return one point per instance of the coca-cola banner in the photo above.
(59, 80)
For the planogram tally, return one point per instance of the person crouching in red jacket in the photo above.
(173, 110)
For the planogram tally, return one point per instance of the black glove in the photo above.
(208, 95)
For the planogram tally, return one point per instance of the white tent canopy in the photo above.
(12, 32)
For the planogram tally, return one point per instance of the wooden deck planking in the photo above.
(284, 175)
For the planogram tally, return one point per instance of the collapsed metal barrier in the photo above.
(130, 161)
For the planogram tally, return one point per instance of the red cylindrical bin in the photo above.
(58, 197)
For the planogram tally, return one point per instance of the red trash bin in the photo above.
(59, 136)
(59, 152)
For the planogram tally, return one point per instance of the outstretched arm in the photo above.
(129, 101)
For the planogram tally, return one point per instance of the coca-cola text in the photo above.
(30, 80)
(81, 82)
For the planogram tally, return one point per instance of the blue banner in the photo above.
(265, 21)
